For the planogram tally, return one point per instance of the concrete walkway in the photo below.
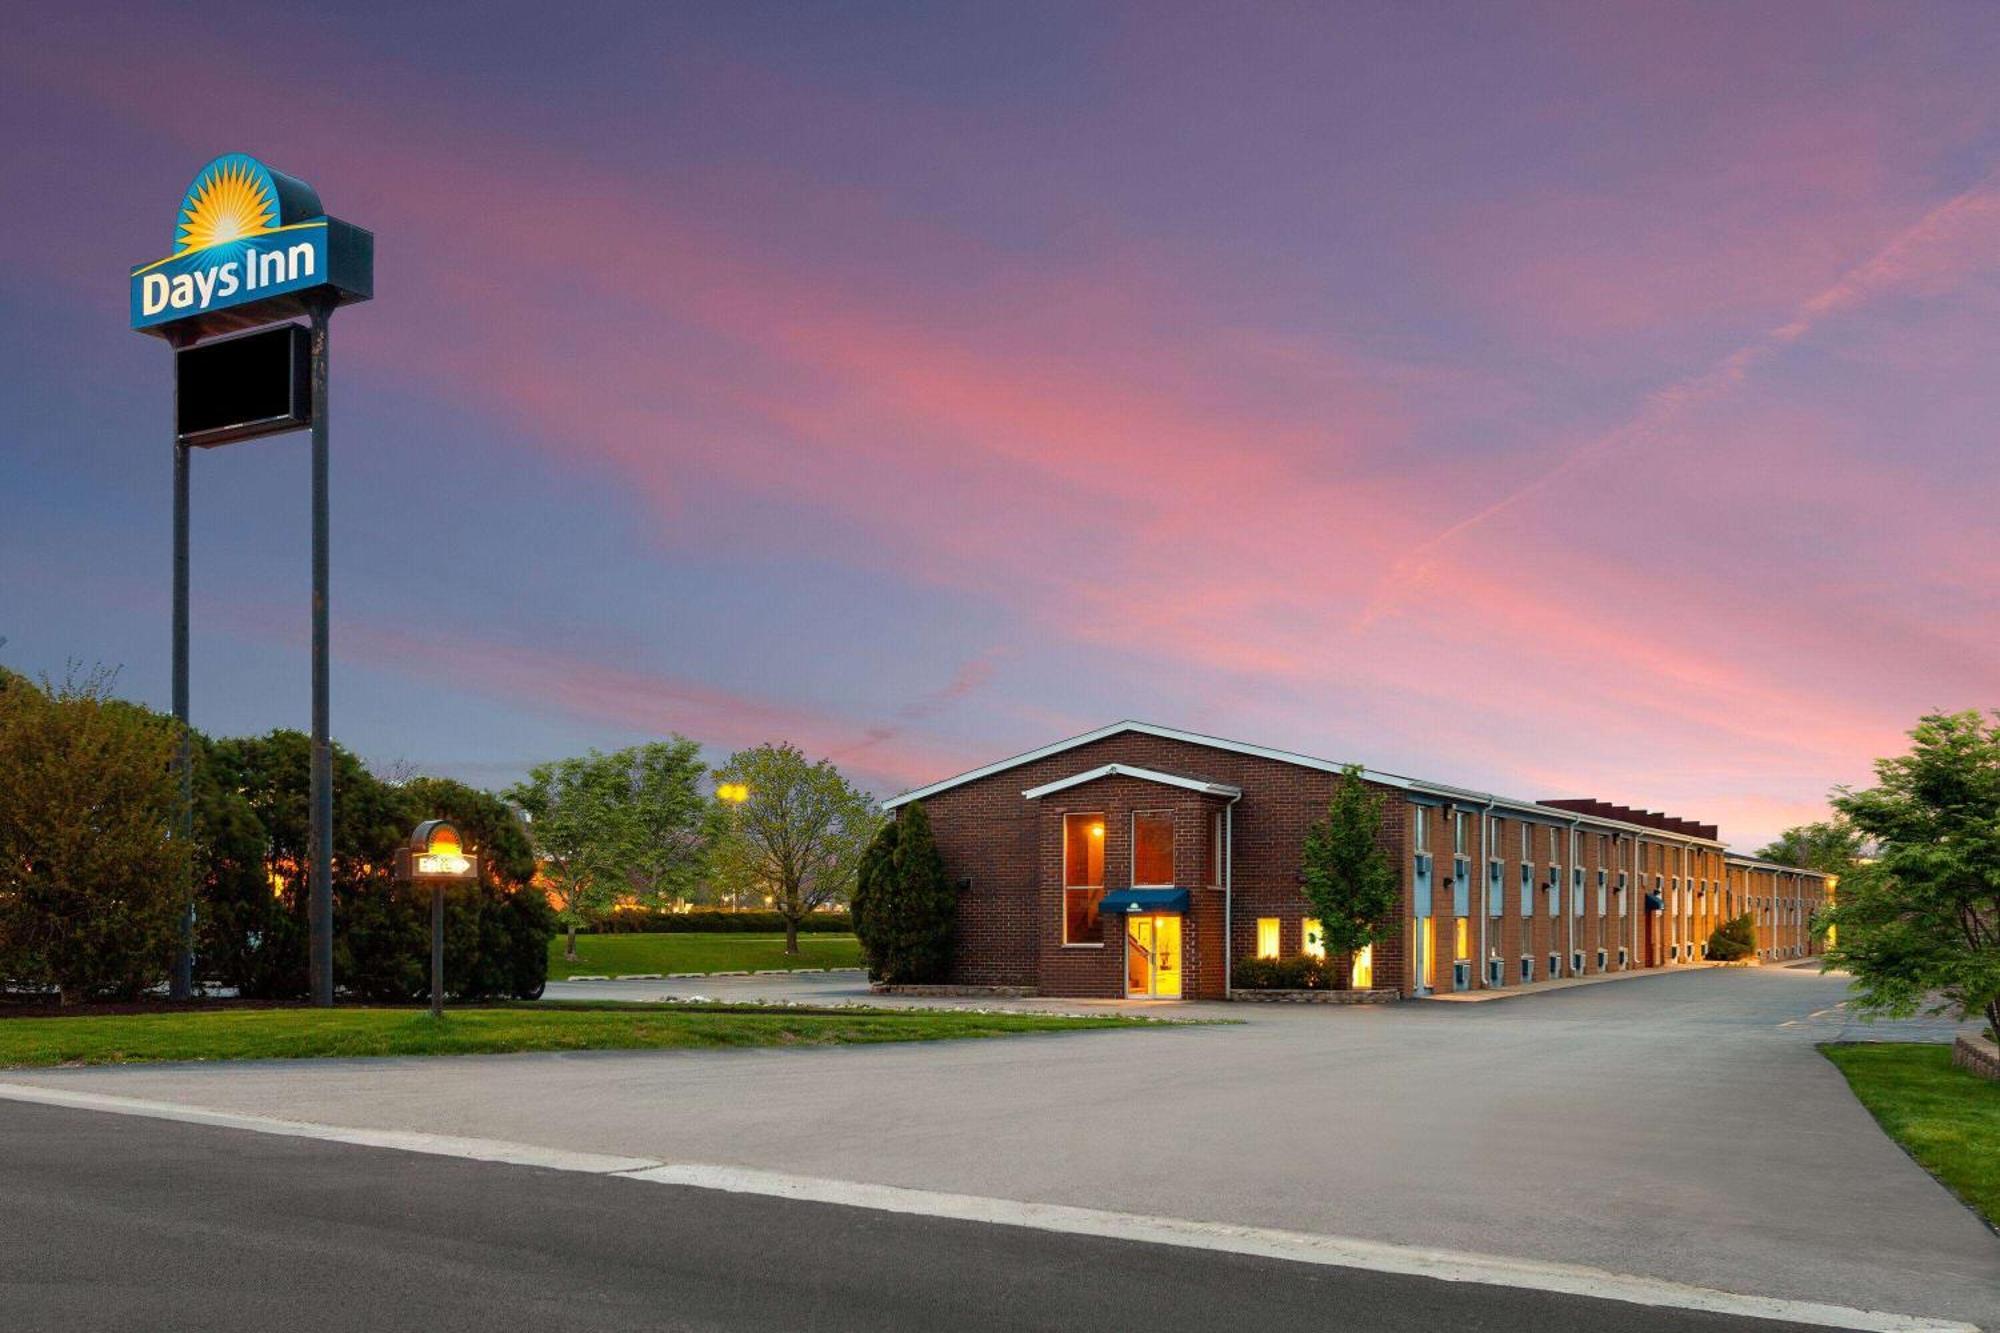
(1679, 1126)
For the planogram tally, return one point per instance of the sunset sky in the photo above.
(1553, 399)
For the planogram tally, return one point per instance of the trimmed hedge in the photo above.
(656, 921)
(1301, 973)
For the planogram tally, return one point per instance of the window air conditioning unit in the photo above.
(1461, 974)
(1600, 959)
(1576, 964)
(1527, 968)
(1621, 958)
(1555, 965)
(1496, 974)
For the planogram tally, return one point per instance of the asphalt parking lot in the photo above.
(1678, 1126)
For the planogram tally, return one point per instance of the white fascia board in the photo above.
(1547, 814)
(1130, 771)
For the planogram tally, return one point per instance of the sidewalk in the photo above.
(1565, 983)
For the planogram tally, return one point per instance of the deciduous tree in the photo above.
(578, 817)
(798, 836)
(1831, 847)
(1918, 924)
(90, 867)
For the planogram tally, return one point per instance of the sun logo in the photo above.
(230, 200)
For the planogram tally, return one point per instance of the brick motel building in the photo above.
(1139, 861)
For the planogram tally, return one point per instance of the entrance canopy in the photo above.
(1144, 900)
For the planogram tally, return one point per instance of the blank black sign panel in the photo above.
(240, 388)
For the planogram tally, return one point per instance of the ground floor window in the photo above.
(1462, 942)
(1267, 937)
(1364, 968)
(1311, 941)
(1427, 951)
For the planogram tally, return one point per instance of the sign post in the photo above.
(253, 247)
(435, 855)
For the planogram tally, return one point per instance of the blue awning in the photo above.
(1144, 900)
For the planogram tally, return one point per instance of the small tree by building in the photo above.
(1919, 922)
(1734, 939)
(905, 910)
(90, 867)
(1349, 878)
(796, 838)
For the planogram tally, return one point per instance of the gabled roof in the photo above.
(1133, 771)
(1438, 791)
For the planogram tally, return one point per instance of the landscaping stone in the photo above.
(1009, 992)
(1977, 1054)
(1378, 995)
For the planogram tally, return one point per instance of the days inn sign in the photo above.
(251, 246)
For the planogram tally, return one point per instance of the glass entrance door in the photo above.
(1153, 956)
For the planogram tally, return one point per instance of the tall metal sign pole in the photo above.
(321, 910)
(181, 986)
(253, 248)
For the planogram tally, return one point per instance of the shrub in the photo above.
(1301, 973)
(661, 921)
(1733, 939)
(90, 873)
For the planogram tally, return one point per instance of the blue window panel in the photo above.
(1461, 887)
(1496, 889)
(1423, 886)
(1527, 889)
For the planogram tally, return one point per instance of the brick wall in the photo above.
(1007, 852)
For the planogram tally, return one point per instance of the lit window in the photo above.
(1083, 878)
(1267, 937)
(1311, 942)
(1153, 848)
(1364, 968)
(1462, 944)
(1427, 951)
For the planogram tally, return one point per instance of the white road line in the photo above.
(1293, 1246)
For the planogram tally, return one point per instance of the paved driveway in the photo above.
(1677, 1126)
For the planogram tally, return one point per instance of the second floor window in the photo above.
(1083, 878)
(1152, 848)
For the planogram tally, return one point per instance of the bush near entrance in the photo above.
(1733, 940)
(1303, 973)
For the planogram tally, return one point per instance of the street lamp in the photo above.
(436, 855)
(733, 795)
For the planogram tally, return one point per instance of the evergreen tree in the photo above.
(905, 910)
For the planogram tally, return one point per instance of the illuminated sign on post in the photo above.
(435, 853)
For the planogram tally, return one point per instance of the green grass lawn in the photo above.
(279, 1034)
(707, 951)
(1947, 1118)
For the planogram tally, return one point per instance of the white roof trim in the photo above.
(1132, 771)
(1547, 814)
